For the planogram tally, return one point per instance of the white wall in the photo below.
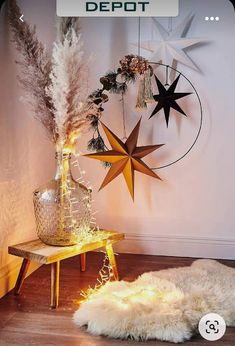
(190, 213)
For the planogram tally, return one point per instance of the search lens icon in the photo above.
(212, 327)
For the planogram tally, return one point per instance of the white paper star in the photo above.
(170, 48)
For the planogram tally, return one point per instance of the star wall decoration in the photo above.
(166, 99)
(170, 48)
(125, 158)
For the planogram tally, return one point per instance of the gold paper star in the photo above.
(125, 158)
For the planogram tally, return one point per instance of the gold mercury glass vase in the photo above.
(62, 207)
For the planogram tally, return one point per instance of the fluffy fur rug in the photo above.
(165, 305)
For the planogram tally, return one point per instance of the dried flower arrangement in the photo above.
(55, 87)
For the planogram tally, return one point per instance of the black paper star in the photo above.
(166, 99)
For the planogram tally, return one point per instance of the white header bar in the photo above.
(119, 8)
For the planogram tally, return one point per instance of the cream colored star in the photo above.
(170, 48)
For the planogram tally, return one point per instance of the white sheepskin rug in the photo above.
(165, 305)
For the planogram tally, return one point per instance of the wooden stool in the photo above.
(37, 251)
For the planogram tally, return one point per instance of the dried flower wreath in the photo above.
(131, 66)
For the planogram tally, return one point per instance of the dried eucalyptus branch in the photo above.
(35, 69)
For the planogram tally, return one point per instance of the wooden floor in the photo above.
(27, 319)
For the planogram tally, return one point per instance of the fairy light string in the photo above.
(105, 275)
(92, 234)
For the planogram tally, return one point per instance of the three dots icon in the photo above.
(212, 19)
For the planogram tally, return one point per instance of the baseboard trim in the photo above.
(180, 246)
(9, 273)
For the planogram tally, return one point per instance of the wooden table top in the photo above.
(38, 251)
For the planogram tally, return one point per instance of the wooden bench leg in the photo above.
(83, 262)
(21, 276)
(112, 260)
(55, 283)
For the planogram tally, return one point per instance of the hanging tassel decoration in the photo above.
(141, 103)
(148, 87)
